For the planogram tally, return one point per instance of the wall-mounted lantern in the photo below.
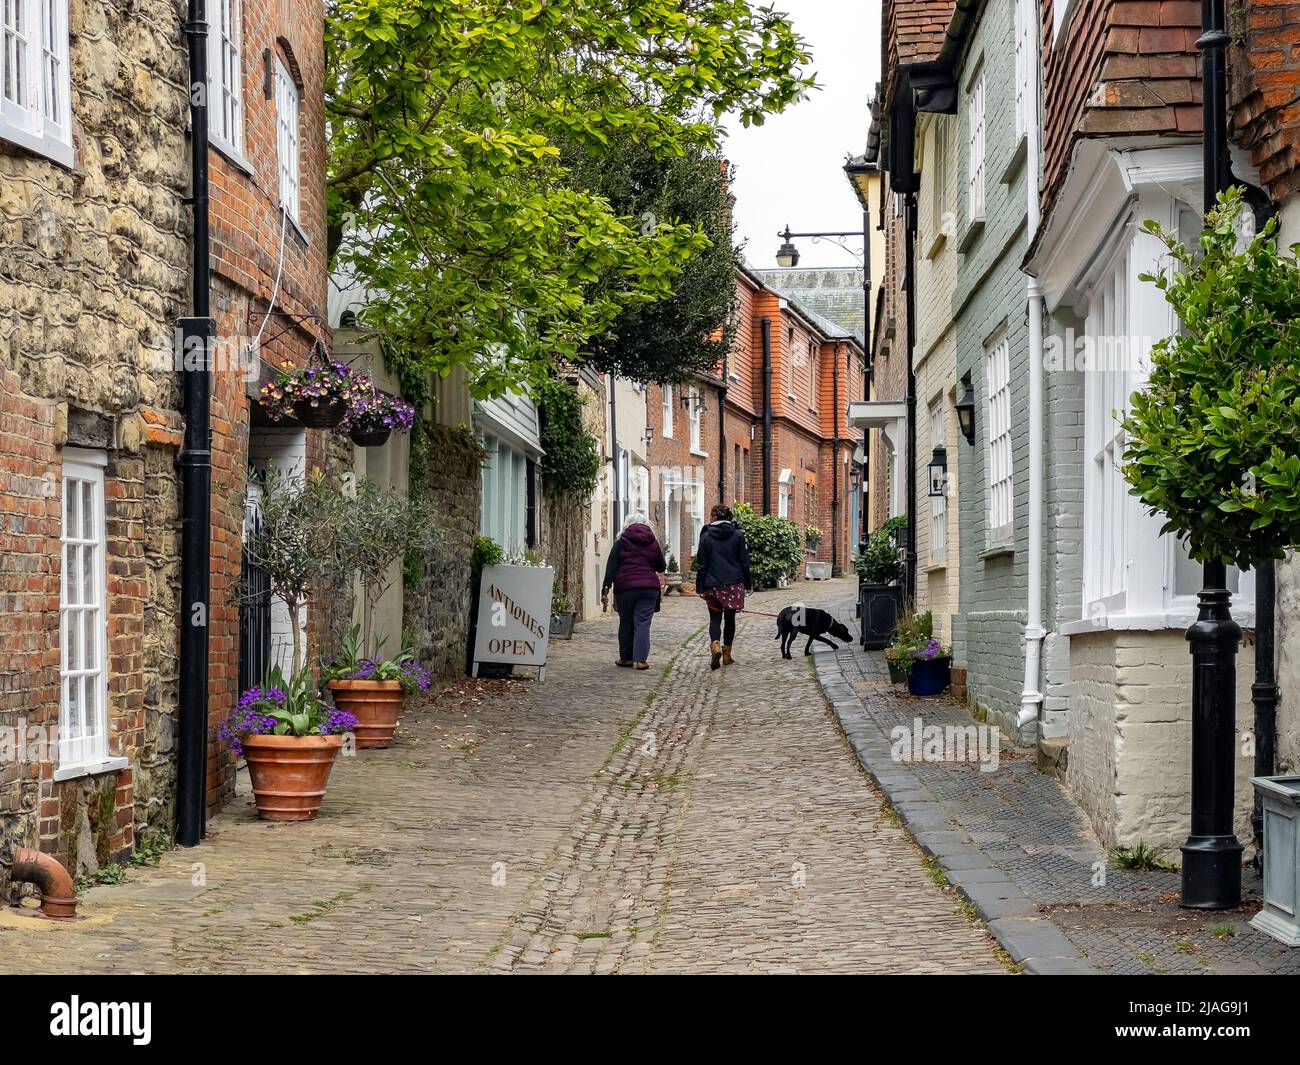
(966, 410)
(939, 472)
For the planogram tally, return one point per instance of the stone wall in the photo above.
(1130, 731)
(446, 462)
(94, 270)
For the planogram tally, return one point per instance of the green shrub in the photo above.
(487, 552)
(880, 562)
(775, 545)
(1214, 437)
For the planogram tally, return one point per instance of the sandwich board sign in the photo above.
(513, 624)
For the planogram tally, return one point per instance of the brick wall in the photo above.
(1264, 73)
(249, 240)
(1129, 711)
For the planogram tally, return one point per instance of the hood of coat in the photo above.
(641, 535)
(721, 530)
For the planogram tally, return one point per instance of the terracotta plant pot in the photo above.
(370, 437)
(289, 774)
(376, 704)
(321, 416)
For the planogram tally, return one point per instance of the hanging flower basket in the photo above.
(370, 437)
(372, 415)
(318, 395)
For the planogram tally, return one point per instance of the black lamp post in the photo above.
(1212, 854)
(787, 254)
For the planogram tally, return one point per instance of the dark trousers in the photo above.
(722, 625)
(636, 609)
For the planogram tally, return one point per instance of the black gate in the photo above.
(254, 603)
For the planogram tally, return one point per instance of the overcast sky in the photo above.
(789, 169)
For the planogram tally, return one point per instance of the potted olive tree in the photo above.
(382, 525)
(288, 737)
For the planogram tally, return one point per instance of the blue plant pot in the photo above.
(929, 676)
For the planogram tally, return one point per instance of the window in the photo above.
(938, 504)
(939, 222)
(812, 375)
(693, 398)
(975, 146)
(225, 76)
(35, 83)
(789, 363)
(668, 411)
(1001, 495)
(286, 122)
(83, 625)
(1025, 64)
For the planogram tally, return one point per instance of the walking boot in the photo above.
(726, 655)
(643, 665)
(715, 649)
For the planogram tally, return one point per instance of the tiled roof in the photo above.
(831, 297)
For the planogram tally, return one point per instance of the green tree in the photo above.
(669, 340)
(1214, 437)
(448, 199)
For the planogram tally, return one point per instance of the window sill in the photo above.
(232, 155)
(936, 244)
(970, 234)
(1018, 155)
(90, 769)
(935, 567)
(998, 550)
(1176, 619)
(699, 454)
(46, 147)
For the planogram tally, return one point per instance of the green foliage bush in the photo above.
(571, 461)
(1214, 437)
(775, 545)
(880, 562)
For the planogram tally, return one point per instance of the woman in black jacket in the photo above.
(722, 562)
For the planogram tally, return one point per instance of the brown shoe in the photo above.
(624, 662)
(643, 665)
(726, 655)
(715, 649)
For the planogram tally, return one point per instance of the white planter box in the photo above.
(817, 571)
(1280, 797)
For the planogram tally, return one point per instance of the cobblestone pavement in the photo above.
(605, 820)
(1024, 822)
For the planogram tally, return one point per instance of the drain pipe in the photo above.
(195, 462)
(1031, 698)
(58, 895)
(767, 415)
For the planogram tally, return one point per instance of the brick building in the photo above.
(816, 371)
(95, 270)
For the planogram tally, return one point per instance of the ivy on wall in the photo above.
(571, 461)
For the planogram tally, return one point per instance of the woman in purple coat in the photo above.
(635, 562)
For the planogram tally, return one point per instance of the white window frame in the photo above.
(785, 484)
(36, 78)
(668, 411)
(1025, 12)
(226, 76)
(975, 138)
(1130, 569)
(83, 619)
(938, 504)
(288, 147)
(1000, 485)
(693, 398)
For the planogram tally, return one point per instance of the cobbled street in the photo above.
(604, 820)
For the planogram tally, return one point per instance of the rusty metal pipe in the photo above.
(58, 894)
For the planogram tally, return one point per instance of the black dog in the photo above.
(812, 623)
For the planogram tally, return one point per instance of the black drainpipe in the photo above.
(613, 443)
(835, 465)
(195, 463)
(909, 209)
(1264, 693)
(722, 435)
(767, 415)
